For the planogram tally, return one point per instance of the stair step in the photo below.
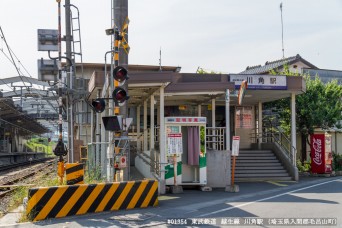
(257, 161)
(248, 179)
(258, 167)
(257, 158)
(266, 172)
(255, 151)
(255, 155)
(263, 175)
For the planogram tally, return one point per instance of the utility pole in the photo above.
(70, 76)
(282, 28)
(60, 149)
(120, 14)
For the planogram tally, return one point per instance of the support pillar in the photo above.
(293, 135)
(145, 126)
(98, 135)
(199, 109)
(228, 137)
(213, 120)
(138, 129)
(91, 125)
(162, 143)
(259, 136)
(152, 123)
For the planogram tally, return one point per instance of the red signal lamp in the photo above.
(99, 105)
(120, 95)
(120, 74)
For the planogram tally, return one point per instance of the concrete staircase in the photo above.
(259, 165)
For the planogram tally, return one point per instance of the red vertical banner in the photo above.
(318, 153)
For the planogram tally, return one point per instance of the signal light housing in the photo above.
(99, 105)
(120, 95)
(120, 74)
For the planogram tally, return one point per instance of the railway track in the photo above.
(9, 181)
(21, 164)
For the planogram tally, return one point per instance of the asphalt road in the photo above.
(311, 202)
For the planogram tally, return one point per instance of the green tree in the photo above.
(319, 107)
(200, 70)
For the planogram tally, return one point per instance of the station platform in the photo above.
(19, 157)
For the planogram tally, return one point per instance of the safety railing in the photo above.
(152, 159)
(275, 134)
(215, 138)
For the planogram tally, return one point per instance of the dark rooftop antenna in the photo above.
(282, 28)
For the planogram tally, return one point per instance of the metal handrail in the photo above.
(215, 138)
(152, 162)
(275, 134)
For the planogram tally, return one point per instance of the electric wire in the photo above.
(20, 73)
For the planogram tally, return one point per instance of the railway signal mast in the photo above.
(50, 40)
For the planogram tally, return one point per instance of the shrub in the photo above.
(303, 167)
(337, 162)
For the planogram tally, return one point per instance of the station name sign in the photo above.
(255, 81)
(185, 120)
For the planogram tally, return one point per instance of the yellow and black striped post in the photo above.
(62, 201)
(74, 173)
(118, 38)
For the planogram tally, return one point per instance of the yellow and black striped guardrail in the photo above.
(62, 201)
(74, 173)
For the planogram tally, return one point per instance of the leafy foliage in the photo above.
(200, 70)
(285, 71)
(337, 162)
(319, 107)
(303, 167)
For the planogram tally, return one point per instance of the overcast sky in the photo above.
(219, 35)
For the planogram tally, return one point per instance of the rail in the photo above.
(152, 160)
(215, 137)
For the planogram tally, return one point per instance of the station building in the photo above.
(167, 105)
(179, 123)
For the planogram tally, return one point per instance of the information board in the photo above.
(236, 146)
(174, 143)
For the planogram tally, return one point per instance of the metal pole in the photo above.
(138, 129)
(213, 125)
(120, 14)
(162, 141)
(282, 28)
(109, 154)
(293, 128)
(228, 120)
(69, 81)
(145, 126)
(60, 93)
(21, 97)
(152, 123)
(228, 136)
(259, 137)
(98, 133)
